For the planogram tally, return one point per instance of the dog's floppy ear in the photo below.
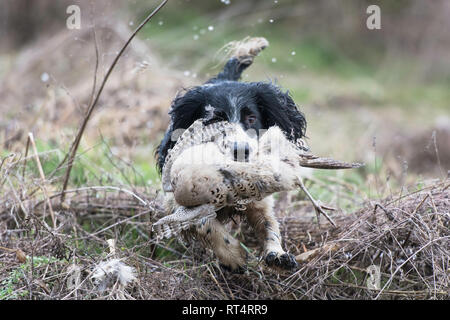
(185, 109)
(278, 108)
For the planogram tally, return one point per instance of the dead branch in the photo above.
(74, 147)
(41, 172)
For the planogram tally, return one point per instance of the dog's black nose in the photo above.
(241, 151)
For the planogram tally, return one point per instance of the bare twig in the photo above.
(317, 207)
(74, 148)
(91, 99)
(26, 154)
(41, 173)
(388, 214)
(216, 282)
(4, 159)
(436, 150)
(409, 258)
(94, 84)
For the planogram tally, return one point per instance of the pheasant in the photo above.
(202, 175)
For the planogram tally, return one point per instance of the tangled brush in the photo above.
(393, 250)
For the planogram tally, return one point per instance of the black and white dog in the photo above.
(255, 106)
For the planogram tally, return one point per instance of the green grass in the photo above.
(97, 164)
(8, 288)
(343, 275)
(184, 37)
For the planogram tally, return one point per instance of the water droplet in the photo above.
(131, 23)
(160, 23)
(210, 28)
(226, 2)
(202, 31)
(196, 36)
(274, 60)
(275, 1)
(45, 77)
(187, 73)
(260, 20)
(293, 53)
(271, 20)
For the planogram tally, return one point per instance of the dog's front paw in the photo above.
(284, 260)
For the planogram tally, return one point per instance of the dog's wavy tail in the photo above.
(240, 56)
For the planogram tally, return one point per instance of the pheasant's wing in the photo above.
(250, 181)
(182, 219)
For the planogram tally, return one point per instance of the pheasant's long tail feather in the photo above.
(327, 163)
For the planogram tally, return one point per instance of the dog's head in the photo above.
(255, 106)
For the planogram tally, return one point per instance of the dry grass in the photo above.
(406, 237)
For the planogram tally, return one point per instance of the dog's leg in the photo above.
(227, 249)
(261, 217)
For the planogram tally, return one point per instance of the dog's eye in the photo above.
(250, 119)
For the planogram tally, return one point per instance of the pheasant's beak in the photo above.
(243, 145)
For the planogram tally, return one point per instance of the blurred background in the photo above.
(377, 96)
